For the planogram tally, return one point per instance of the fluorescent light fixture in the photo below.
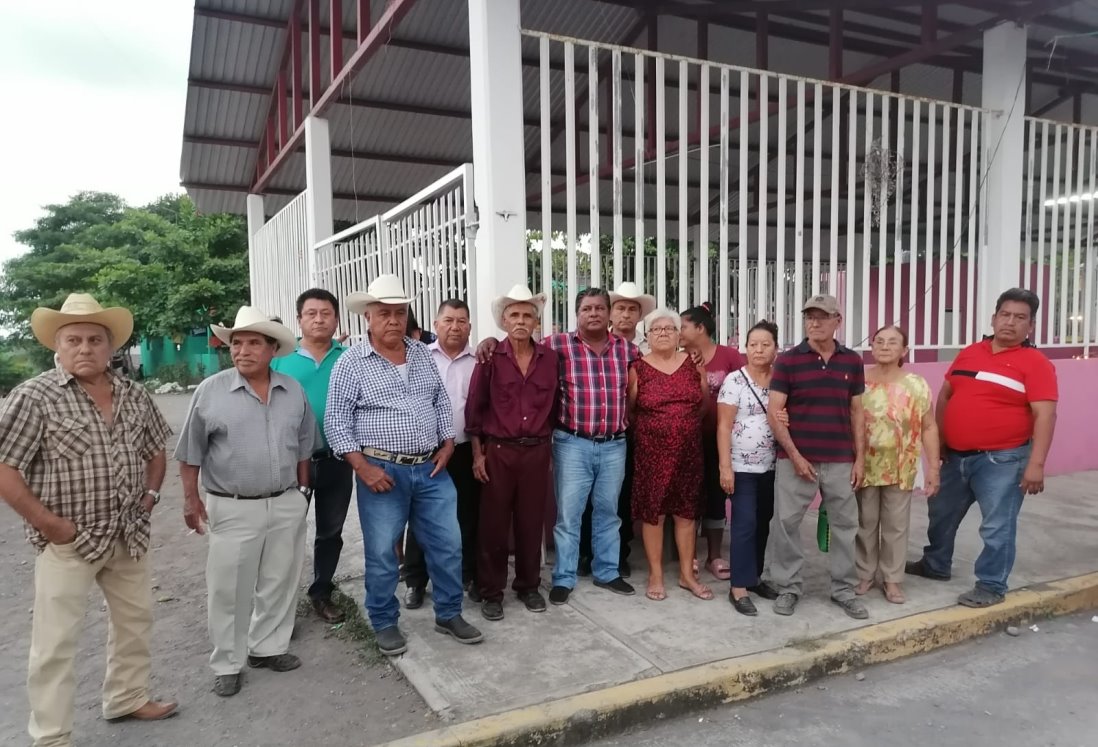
(1070, 198)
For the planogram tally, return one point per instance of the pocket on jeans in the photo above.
(1008, 456)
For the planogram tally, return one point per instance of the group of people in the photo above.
(450, 452)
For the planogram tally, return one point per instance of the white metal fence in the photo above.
(423, 240)
(1059, 230)
(279, 262)
(880, 191)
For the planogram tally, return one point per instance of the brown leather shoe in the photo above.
(327, 611)
(152, 711)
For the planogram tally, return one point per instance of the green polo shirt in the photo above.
(312, 376)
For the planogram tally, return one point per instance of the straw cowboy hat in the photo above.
(517, 294)
(385, 289)
(80, 307)
(251, 319)
(630, 292)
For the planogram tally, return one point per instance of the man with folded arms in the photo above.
(509, 415)
(389, 417)
(82, 460)
(251, 434)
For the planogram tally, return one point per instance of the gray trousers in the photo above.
(792, 496)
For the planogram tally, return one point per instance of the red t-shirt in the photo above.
(725, 360)
(989, 409)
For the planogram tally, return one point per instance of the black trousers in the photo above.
(460, 468)
(625, 512)
(332, 481)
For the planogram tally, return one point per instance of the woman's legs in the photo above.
(652, 536)
(685, 532)
(868, 540)
(742, 534)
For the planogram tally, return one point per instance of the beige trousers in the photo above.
(253, 571)
(62, 580)
(884, 517)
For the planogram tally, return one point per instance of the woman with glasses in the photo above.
(667, 393)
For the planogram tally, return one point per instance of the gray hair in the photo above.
(663, 313)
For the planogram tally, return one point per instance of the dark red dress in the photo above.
(667, 478)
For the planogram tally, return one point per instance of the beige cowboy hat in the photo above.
(385, 289)
(517, 294)
(251, 319)
(80, 307)
(630, 292)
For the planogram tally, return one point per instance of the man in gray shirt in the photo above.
(251, 433)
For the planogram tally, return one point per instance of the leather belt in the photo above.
(978, 452)
(248, 497)
(320, 456)
(596, 439)
(524, 441)
(403, 460)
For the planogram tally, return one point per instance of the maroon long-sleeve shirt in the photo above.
(503, 404)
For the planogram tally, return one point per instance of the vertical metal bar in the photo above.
(661, 183)
(833, 201)
(546, 189)
(744, 138)
(867, 230)
(898, 241)
(619, 229)
(281, 107)
(297, 79)
(570, 173)
(335, 38)
(1031, 153)
(1041, 219)
(1077, 255)
(593, 163)
(363, 20)
(762, 306)
(724, 280)
(798, 220)
(779, 268)
(882, 219)
(1090, 308)
(959, 218)
(638, 170)
(971, 303)
(943, 236)
(684, 190)
(1054, 238)
(703, 191)
(817, 183)
(315, 90)
(851, 202)
(913, 259)
(1064, 254)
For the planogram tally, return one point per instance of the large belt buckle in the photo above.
(406, 461)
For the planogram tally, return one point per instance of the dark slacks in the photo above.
(752, 509)
(460, 468)
(332, 480)
(515, 496)
(625, 512)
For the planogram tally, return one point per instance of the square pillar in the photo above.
(318, 183)
(498, 258)
(1003, 96)
(256, 219)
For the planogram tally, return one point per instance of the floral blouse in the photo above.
(894, 428)
(753, 447)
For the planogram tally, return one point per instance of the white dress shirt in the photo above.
(456, 374)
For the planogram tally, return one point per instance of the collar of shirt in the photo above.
(804, 347)
(506, 348)
(335, 348)
(239, 382)
(434, 347)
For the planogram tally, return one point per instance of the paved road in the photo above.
(1037, 690)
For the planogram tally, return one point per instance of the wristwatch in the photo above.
(154, 493)
(305, 491)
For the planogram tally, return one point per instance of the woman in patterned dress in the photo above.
(898, 416)
(667, 392)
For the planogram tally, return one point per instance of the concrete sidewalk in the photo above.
(600, 640)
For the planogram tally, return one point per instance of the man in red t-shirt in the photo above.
(996, 413)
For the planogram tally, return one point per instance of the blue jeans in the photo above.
(430, 504)
(993, 480)
(752, 509)
(583, 468)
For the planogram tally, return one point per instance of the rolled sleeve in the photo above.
(157, 430)
(194, 436)
(340, 406)
(21, 427)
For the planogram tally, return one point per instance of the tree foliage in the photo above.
(174, 268)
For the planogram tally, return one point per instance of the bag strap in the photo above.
(751, 387)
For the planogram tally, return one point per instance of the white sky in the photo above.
(94, 95)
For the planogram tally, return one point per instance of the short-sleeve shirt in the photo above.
(753, 448)
(992, 392)
(593, 386)
(314, 376)
(894, 415)
(79, 467)
(819, 394)
(725, 360)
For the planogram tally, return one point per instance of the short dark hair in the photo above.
(765, 326)
(701, 316)
(1021, 295)
(317, 294)
(453, 303)
(592, 293)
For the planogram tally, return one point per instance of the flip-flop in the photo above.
(656, 596)
(894, 596)
(719, 569)
(702, 592)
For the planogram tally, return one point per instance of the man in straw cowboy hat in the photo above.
(82, 460)
(510, 414)
(251, 434)
(389, 416)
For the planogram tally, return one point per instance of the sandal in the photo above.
(719, 569)
(895, 594)
(697, 572)
(864, 586)
(656, 595)
(701, 591)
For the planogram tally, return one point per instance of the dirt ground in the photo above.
(342, 694)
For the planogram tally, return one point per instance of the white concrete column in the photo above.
(256, 219)
(1003, 95)
(499, 173)
(318, 182)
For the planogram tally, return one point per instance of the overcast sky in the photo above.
(94, 95)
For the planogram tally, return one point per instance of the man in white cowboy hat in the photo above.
(389, 416)
(82, 460)
(628, 306)
(250, 434)
(510, 415)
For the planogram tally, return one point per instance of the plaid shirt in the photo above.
(81, 469)
(593, 385)
(370, 405)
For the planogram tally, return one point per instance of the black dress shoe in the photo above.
(474, 592)
(918, 568)
(743, 605)
(559, 595)
(413, 598)
(533, 600)
(618, 585)
(327, 611)
(227, 685)
(390, 641)
(277, 663)
(584, 567)
(764, 590)
(492, 610)
(462, 631)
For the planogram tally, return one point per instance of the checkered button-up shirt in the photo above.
(369, 403)
(593, 385)
(78, 466)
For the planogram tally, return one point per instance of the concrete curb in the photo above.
(578, 718)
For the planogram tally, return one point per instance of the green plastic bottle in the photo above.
(823, 531)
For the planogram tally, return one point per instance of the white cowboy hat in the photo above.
(80, 307)
(517, 294)
(630, 292)
(385, 289)
(251, 319)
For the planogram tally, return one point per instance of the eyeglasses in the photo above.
(662, 331)
(818, 318)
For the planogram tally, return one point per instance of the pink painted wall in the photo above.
(1073, 448)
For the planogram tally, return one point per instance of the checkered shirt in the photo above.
(593, 385)
(370, 405)
(81, 469)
